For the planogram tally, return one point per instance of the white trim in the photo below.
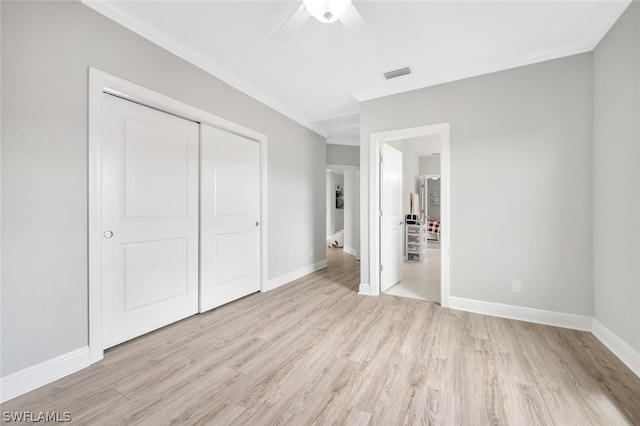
(264, 196)
(95, 215)
(343, 141)
(349, 250)
(619, 347)
(376, 139)
(1, 68)
(33, 377)
(342, 167)
(445, 216)
(353, 117)
(365, 289)
(520, 313)
(101, 82)
(155, 35)
(292, 276)
(586, 44)
(389, 88)
(159, 37)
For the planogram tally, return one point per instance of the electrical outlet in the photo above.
(311, 254)
(516, 286)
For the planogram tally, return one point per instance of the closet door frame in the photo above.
(101, 82)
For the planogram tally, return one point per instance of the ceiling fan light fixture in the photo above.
(326, 11)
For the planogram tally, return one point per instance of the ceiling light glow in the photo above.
(326, 11)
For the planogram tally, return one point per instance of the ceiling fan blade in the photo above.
(288, 28)
(352, 19)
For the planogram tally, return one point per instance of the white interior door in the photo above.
(149, 219)
(229, 217)
(391, 221)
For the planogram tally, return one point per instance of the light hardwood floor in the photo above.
(315, 352)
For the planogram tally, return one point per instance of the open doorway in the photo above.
(435, 264)
(420, 267)
(335, 208)
(343, 209)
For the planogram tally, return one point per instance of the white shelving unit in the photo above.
(416, 241)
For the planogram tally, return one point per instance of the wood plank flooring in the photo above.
(315, 352)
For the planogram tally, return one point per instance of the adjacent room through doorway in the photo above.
(418, 236)
(343, 208)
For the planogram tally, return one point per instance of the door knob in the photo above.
(108, 234)
(257, 223)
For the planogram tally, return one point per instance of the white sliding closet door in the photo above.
(149, 219)
(229, 217)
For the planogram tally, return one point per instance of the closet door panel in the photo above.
(150, 183)
(229, 217)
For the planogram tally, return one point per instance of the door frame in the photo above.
(101, 82)
(376, 139)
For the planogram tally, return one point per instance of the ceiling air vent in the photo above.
(397, 73)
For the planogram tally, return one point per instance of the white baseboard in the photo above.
(292, 276)
(349, 250)
(619, 347)
(31, 378)
(520, 313)
(365, 289)
(628, 355)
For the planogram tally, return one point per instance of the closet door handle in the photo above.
(257, 223)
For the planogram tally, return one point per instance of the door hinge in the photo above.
(381, 158)
(381, 268)
(380, 212)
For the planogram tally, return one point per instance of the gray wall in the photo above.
(410, 175)
(46, 50)
(343, 155)
(430, 165)
(616, 178)
(527, 131)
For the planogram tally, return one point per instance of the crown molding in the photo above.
(117, 14)
(343, 141)
(416, 83)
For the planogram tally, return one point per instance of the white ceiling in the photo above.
(421, 146)
(322, 73)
